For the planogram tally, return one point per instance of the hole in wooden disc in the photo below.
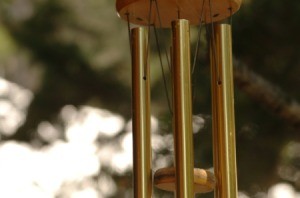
(215, 15)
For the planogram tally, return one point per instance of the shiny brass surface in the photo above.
(223, 112)
(141, 114)
(182, 110)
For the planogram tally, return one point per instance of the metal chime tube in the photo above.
(141, 114)
(182, 113)
(223, 112)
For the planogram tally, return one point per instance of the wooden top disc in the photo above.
(204, 181)
(169, 10)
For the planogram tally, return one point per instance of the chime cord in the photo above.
(160, 57)
(148, 45)
(197, 50)
(198, 37)
(212, 41)
(148, 49)
(213, 44)
(160, 54)
(160, 24)
(129, 33)
(162, 70)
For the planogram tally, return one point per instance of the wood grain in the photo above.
(170, 10)
(204, 181)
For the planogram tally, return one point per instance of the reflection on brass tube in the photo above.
(182, 118)
(223, 112)
(141, 114)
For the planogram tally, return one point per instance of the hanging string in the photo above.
(230, 9)
(160, 56)
(160, 25)
(148, 46)
(129, 33)
(213, 44)
(162, 70)
(198, 39)
(158, 13)
(197, 50)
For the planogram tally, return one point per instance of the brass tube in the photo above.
(223, 112)
(141, 114)
(182, 105)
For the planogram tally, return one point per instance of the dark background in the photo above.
(77, 53)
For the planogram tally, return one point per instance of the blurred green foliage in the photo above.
(77, 52)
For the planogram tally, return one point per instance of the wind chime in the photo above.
(183, 179)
